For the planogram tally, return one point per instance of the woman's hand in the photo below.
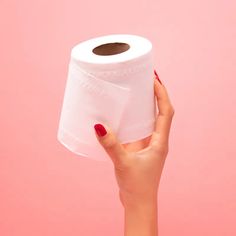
(138, 165)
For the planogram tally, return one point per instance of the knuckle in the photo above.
(161, 150)
(170, 111)
(109, 144)
(164, 151)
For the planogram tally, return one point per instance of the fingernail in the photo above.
(100, 130)
(157, 77)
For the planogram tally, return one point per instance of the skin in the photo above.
(138, 167)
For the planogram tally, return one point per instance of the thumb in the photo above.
(109, 142)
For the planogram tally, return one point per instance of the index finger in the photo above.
(165, 114)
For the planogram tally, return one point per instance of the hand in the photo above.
(138, 165)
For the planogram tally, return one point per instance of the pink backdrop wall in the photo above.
(47, 190)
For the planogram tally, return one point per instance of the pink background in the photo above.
(47, 190)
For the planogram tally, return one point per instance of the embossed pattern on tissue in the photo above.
(119, 72)
(89, 86)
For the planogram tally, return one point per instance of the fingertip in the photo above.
(100, 130)
(157, 77)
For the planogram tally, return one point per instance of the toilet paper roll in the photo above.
(110, 81)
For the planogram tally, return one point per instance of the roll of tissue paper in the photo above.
(110, 81)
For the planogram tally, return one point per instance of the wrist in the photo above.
(139, 201)
(140, 215)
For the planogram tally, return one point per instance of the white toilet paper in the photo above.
(110, 81)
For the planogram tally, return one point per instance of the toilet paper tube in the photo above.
(110, 81)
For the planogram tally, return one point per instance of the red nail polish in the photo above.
(100, 130)
(157, 77)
